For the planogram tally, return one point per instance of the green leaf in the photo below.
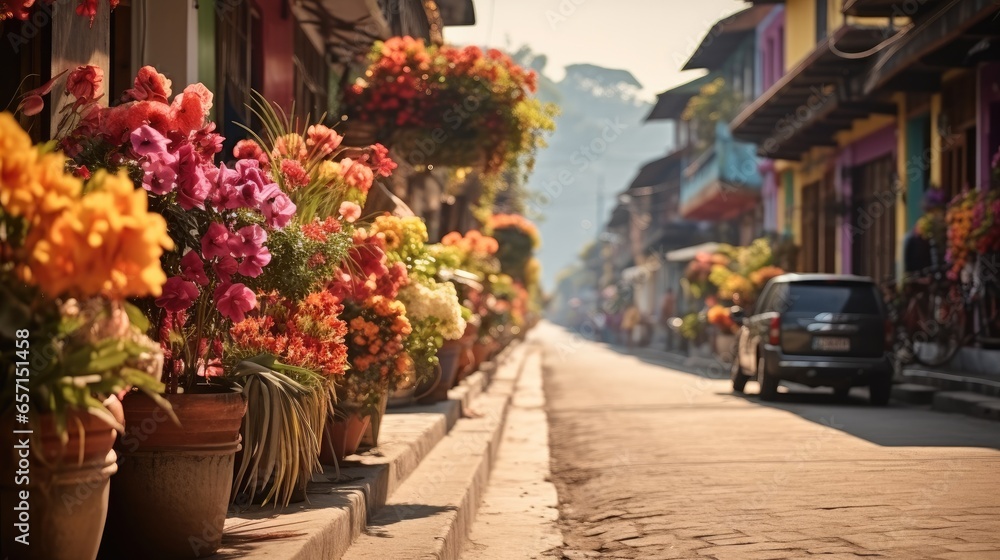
(136, 317)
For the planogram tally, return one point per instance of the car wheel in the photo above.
(736, 374)
(768, 383)
(879, 391)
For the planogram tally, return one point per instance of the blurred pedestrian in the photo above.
(667, 311)
(630, 321)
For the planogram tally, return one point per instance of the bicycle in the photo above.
(926, 316)
(935, 316)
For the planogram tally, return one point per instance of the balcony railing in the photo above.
(723, 181)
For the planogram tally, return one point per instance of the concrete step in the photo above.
(338, 510)
(431, 514)
(914, 393)
(964, 402)
(949, 380)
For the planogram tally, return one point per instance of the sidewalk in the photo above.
(426, 455)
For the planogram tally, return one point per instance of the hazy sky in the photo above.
(650, 38)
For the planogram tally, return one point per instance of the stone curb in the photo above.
(337, 513)
(431, 515)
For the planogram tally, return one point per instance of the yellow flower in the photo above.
(105, 243)
(32, 185)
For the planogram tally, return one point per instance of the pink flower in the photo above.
(350, 211)
(178, 294)
(234, 301)
(193, 186)
(225, 268)
(159, 176)
(357, 174)
(193, 268)
(295, 175)
(147, 140)
(323, 138)
(291, 146)
(84, 83)
(253, 265)
(279, 212)
(248, 240)
(149, 85)
(214, 242)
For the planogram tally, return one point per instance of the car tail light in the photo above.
(890, 335)
(774, 332)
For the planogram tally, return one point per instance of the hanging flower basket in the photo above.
(457, 102)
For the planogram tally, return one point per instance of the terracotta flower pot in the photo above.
(342, 435)
(480, 353)
(66, 503)
(172, 491)
(448, 359)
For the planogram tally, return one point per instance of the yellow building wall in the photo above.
(800, 30)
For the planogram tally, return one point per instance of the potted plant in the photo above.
(70, 254)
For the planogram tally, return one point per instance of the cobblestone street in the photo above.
(651, 462)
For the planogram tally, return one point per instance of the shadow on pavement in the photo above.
(891, 426)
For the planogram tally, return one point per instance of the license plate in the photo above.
(835, 344)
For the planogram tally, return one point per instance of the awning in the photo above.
(671, 103)
(940, 39)
(658, 171)
(725, 36)
(818, 98)
(688, 254)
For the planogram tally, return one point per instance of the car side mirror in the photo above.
(737, 314)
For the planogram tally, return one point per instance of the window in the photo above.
(833, 297)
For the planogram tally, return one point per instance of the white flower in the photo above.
(435, 301)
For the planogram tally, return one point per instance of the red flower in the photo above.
(84, 83)
(296, 176)
(149, 85)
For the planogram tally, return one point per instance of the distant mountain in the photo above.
(599, 144)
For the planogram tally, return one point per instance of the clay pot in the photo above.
(448, 359)
(480, 353)
(172, 491)
(342, 435)
(64, 500)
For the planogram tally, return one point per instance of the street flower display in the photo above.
(245, 308)
(970, 220)
(730, 276)
(445, 105)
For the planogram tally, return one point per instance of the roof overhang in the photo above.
(658, 171)
(346, 28)
(725, 36)
(818, 98)
(944, 39)
(670, 104)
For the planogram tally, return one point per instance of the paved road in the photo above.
(650, 462)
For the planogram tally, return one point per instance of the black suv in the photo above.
(827, 330)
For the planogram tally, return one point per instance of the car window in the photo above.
(764, 303)
(833, 297)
